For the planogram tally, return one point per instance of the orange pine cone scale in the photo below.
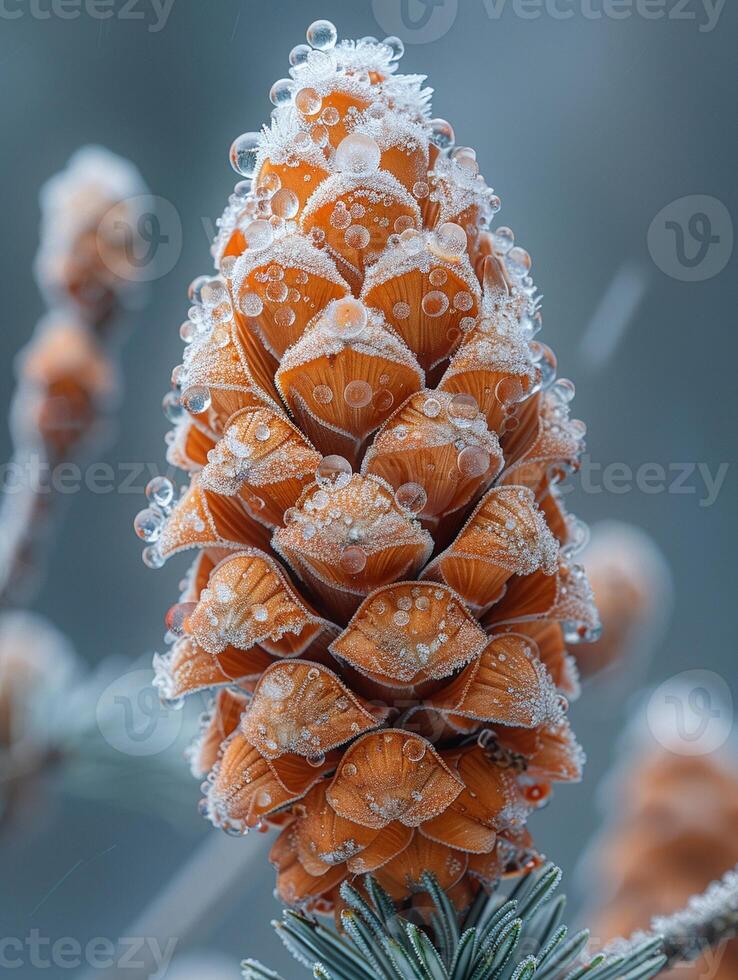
(386, 580)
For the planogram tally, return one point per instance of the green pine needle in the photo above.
(485, 944)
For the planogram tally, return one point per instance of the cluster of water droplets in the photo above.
(150, 521)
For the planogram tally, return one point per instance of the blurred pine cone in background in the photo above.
(386, 585)
(674, 833)
(632, 585)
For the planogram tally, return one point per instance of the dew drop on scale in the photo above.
(177, 617)
(503, 240)
(243, 154)
(196, 399)
(413, 749)
(411, 497)
(148, 524)
(172, 406)
(282, 91)
(160, 491)
(442, 134)
(285, 203)
(259, 235)
(357, 155)
(322, 35)
(322, 395)
(308, 102)
(152, 557)
(353, 559)
(333, 472)
(396, 46)
(518, 262)
(357, 394)
(473, 461)
(462, 410)
(299, 55)
(349, 318)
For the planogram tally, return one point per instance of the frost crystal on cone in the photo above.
(386, 579)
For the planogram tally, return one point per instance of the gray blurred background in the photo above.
(587, 127)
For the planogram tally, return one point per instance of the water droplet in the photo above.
(316, 760)
(353, 559)
(260, 613)
(152, 557)
(431, 408)
(564, 390)
(466, 158)
(518, 262)
(243, 154)
(463, 301)
(434, 303)
(282, 91)
(322, 35)
(503, 240)
(412, 241)
(438, 277)
(330, 116)
(299, 55)
(509, 391)
(358, 155)
(285, 203)
(196, 399)
(322, 394)
(262, 432)
(333, 472)
(451, 240)
(172, 406)
(277, 292)
(308, 101)
(357, 394)
(148, 524)
(259, 235)
(285, 316)
(383, 400)
(442, 134)
(401, 618)
(193, 290)
(348, 317)
(411, 497)
(357, 237)
(421, 189)
(160, 491)
(473, 461)
(413, 749)
(251, 304)
(462, 410)
(349, 770)
(396, 46)
(401, 311)
(177, 617)
(188, 331)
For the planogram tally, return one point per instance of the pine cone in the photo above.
(674, 835)
(385, 583)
